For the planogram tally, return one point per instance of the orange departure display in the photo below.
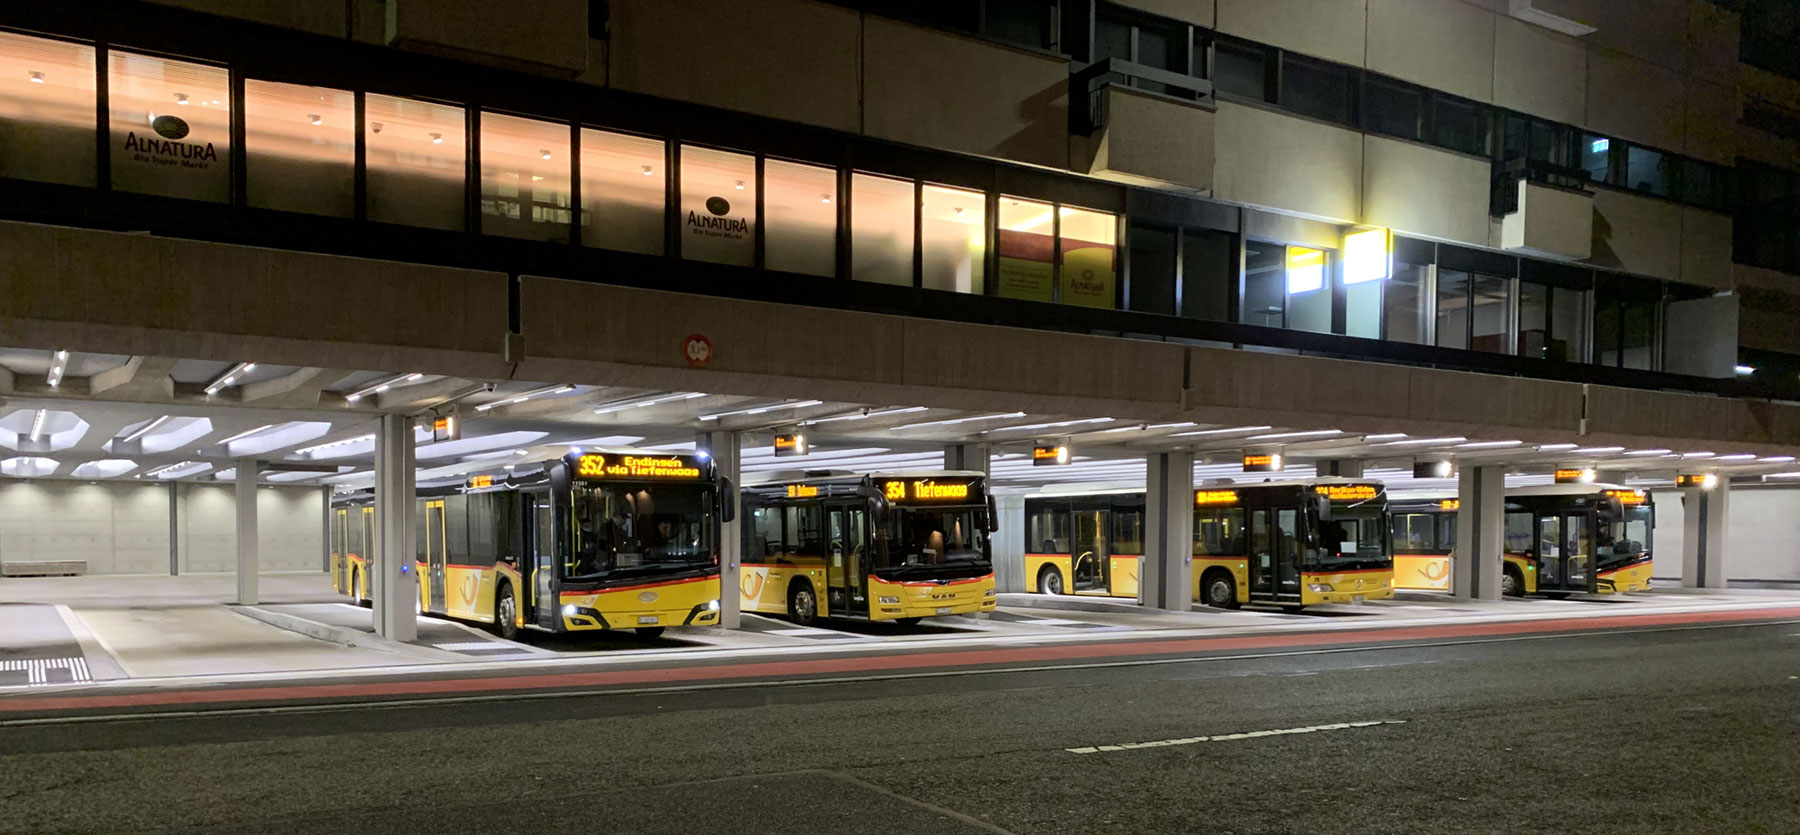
(1347, 492)
(924, 490)
(598, 466)
(1215, 497)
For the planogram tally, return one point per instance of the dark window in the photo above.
(1534, 320)
(1705, 185)
(1626, 322)
(1452, 309)
(1207, 274)
(1766, 225)
(1265, 278)
(1024, 22)
(1596, 157)
(1459, 125)
(1649, 171)
(1316, 89)
(1141, 39)
(1539, 140)
(1152, 270)
(1112, 39)
(1393, 108)
(482, 544)
(1241, 69)
(1405, 304)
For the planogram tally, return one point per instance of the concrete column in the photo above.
(1480, 533)
(396, 586)
(1009, 544)
(1703, 536)
(726, 449)
(975, 457)
(1341, 467)
(174, 530)
(247, 562)
(1165, 580)
(325, 558)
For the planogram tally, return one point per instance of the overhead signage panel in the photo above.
(596, 466)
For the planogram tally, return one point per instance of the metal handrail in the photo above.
(1087, 84)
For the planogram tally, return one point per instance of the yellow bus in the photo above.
(897, 546)
(1561, 539)
(612, 539)
(1290, 543)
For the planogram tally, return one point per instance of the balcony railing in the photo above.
(1508, 173)
(1087, 88)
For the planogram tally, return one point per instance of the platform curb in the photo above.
(343, 635)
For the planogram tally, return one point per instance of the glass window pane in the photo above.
(300, 148)
(1319, 90)
(1240, 70)
(1308, 289)
(1639, 335)
(1534, 320)
(1703, 184)
(47, 105)
(954, 239)
(1393, 108)
(1452, 309)
(1112, 39)
(1024, 22)
(1207, 275)
(1606, 334)
(1265, 279)
(623, 192)
(415, 153)
(1362, 309)
(1405, 305)
(718, 206)
(1649, 171)
(1566, 327)
(1027, 249)
(171, 127)
(1490, 321)
(1460, 125)
(881, 229)
(1596, 157)
(800, 218)
(1089, 245)
(1152, 270)
(524, 178)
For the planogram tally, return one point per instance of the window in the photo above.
(415, 153)
(1596, 157)
(1568, 327)
(624, 192)
(1539, 140)
(1308, 281)
(1317, 89)
(300, 148)
(1264, 281)
(1219, 533)
(954, 237)
(1027, 247)
(1459, 125)
(171, 127)
(718, 206)
(1627, 322)
(800, 218)
(1488, 319)
(524, 178)
(1705, 185)
(1766, 225)
(1406, 304)
(1649, 171)
(1049, 527)
(881, 229)
(1519, 536)
(1534, 320)
(1414, 533)
(1241, 69)
(1141, 39)
(1208, 274)
(1089, 246)
(1393, 108)
(1152, 284)
(1452, 309)
(1127, 535)
(47, 105)
(1024, 22)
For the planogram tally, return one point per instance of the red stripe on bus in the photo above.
(1625, 567)
(870, 663)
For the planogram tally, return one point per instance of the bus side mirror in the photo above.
(993, 520)
(878, 513)
(1324, 508)
(728, 500)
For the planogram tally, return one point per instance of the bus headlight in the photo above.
(712, 605)
(888, 599)
(569, 611)
(1318, 586)
(990, 592)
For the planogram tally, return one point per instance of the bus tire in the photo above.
(803, 603)
(356, 591)
(1219, 589)
(650, 631)
(506, 612)
(1512, 583)
(908, 621)
(1050, 581)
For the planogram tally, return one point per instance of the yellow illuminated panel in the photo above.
(479, 481)
(1629, 496)
(1262, 462)
(1305, 270)
(1346, 492)
(659, 467)
(1704, 481)
(1450, 504)
(925, 490)
(1206, 497)
(1574, 476)
(1050, 454)
(1366, 256)
(896, 491)
(801, 491)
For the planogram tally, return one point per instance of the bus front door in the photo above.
(540, 526)
(844, 571)
(1564, 553)
(1089, 561)
(1275, 556)
(436, 529)
(340, 553)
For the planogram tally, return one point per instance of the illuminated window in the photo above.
(800, 207)
(881, 228)
(47, 120)
(1089, 257)
(415, 154)
(1026, 250)
(718, 206)
(954, 238)
(171, 127)
(524, 178)
(623, 192)
(1309, 296)
(300, 148)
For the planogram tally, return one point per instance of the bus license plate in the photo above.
(943, 610)
(651, 619)
(1358, 598)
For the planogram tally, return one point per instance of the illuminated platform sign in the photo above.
(1049, 456)
(786, 445)
(1634, 496)
(1262, 462)
(595, 466)
(1450, 504)
(446, 428)
(1574, 476)
(1203, 498)
(1700, 481)
(801, 491)
(477, 482)
(924, 490)
(1347, 492)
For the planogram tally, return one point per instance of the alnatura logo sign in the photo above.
(717, 222)
(166, 147)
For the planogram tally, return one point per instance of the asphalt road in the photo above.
(1692, 731)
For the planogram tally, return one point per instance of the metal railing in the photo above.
(1087, 89)
(1507, 174)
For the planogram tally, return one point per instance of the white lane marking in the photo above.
(37, 670)
(1193, 740)
(460, 646)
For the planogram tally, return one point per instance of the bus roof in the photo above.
(1534, 490)
(848, 477)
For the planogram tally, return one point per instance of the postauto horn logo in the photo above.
(170, 127)
(718, 205)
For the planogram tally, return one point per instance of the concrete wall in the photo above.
(1425, 191)
(1538, 71)
(544, 35)
(123, 527)
(1265, 158)
(1448, 46)
(1151, 140)
(1762, 535)
(1323, 28)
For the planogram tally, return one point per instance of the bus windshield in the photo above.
(1627, 534)
(621, 533)
(1353, 538)
(937, 543)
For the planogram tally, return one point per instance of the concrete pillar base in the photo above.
(1165, 580)
(1475, 569)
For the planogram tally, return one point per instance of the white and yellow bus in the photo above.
(613, 539)
(1561, 539)
(897, 546)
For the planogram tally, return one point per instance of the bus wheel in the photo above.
(650, 631)
(1221, 590)
(1050, 581)
(506, 613)
(1511, 584)
(803, 605)
(908, 621)
(356, 591)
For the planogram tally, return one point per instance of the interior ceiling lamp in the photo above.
(231, 376)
